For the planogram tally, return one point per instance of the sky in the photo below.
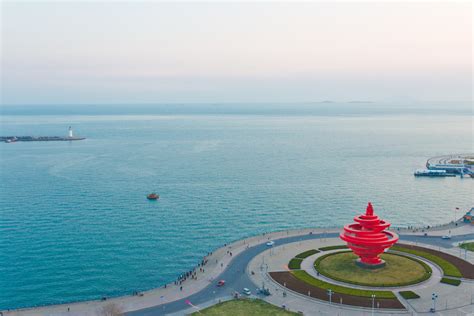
(92, 52)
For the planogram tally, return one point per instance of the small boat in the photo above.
(153, 196)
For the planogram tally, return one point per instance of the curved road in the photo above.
(237, 279)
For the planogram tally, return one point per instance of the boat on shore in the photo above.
(153, 196)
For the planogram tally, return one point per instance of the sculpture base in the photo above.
(370, 266)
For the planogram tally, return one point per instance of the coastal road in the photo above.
(236, 278)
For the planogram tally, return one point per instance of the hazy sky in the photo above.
(93, 52)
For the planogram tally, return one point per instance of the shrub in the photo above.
(408, 295)
(333, 247)
(454, 282)
(467, 245)
(305, 277)
(307, 253)
(295, 263)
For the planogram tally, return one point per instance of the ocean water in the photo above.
(75, 223)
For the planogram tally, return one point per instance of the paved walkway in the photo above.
(277, 259)
(221, 264)
(217, 263)
(452, 300)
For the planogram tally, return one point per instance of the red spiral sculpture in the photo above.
(368, 238)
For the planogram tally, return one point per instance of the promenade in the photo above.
(452, 300)
(234, 263)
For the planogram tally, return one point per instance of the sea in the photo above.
(75, 223)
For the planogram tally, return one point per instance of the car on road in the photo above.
(221, 283)
(270, 243)
(246, 291)
(446, 237)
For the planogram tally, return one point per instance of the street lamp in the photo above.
(434, 296)
(373, 303)
(330, 296)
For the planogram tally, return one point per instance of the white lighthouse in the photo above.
(70, 132)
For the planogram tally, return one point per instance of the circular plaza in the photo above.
(399, 270)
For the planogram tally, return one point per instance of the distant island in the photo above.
(354, 101)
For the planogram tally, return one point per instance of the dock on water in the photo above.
(13, 139)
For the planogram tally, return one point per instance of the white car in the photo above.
(270, 243)
(246, 291)
(446, 237)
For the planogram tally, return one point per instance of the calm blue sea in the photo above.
(75, 223)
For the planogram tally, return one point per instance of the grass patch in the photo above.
(244, 307)
(451, 281)
(467, 245)
(408, 295)
(398, 271)
(333, 247)
(295, 263)
(307, 253)
(448, 268)
(305, 277)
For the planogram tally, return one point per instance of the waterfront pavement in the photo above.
(233, 268)
(451, 300)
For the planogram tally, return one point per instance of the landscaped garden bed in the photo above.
(449, 281)
(398, 270)
(307, 253)
(307, 278)
(408, 295)
(295, 263)
(319, 289)
(328, 248)
(447, 264)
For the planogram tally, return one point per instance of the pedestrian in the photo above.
(180, 288)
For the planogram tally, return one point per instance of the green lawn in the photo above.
(244, 307)
(448, 268)
(305, 277)
(467, 245)
(399, 270)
